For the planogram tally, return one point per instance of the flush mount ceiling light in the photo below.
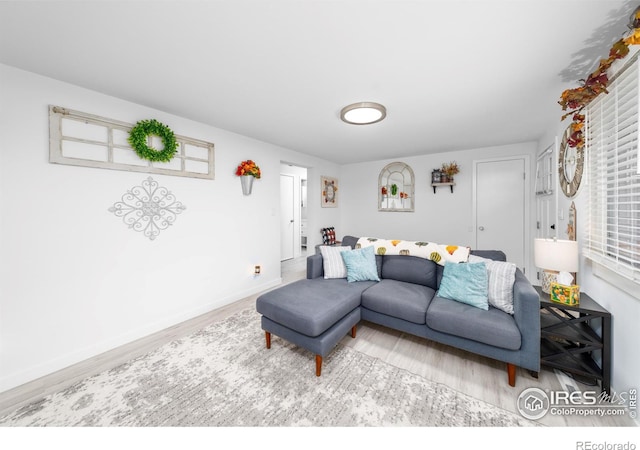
(363, 113)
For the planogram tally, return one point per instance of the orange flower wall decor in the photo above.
(248, 167)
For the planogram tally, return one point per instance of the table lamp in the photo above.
(554, 256)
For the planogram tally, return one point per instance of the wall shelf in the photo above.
(436, 185)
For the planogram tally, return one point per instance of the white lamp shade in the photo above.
(555, 254)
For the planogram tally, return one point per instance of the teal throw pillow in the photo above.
(361, 264)
(466, 283)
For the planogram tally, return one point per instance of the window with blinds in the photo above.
(613, 232)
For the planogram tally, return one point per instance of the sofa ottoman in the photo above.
(313, 314)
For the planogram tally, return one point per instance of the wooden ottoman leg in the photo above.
(511, 370)
(318, 365)
(267, 336)
(353, 331)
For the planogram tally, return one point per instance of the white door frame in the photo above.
(527, 204)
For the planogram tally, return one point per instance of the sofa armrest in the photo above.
(526, 307)
(314, 266)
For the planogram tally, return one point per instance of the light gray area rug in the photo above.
(224, 376)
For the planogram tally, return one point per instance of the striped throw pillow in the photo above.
(502, 276)
(332, 262)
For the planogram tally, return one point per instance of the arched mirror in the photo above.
(396, 188)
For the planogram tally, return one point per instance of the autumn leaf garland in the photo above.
(578, 98)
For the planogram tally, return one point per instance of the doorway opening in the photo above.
(293, 212)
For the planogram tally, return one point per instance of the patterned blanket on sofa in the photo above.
(438, 253)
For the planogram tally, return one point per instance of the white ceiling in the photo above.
(452, 74)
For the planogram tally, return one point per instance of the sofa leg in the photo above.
(267, 337)
(318, 365)
(353, 331)
(511, 370)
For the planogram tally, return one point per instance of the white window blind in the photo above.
(613, 232)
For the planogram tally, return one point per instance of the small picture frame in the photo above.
(436, 176)
(328, 192)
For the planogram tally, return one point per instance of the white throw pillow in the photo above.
(502, 276)
(332, 261)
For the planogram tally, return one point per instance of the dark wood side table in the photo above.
(568, 338)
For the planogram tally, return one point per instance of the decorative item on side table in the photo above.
(566, 294)
(247, 171)
(329, 192)
(558, 259)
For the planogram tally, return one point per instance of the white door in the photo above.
(501, 205)
(287, 214)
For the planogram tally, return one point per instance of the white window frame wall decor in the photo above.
(401, 175)
(82, 139)
(612, 127)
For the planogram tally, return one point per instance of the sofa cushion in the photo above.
(310, 307)
(328, 236)
(502, 276)
(361, 265)
(407, 301)
(492, 327)
(332, 262)
(411, 269)
(467, 283)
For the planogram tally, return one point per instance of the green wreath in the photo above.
(138, 140)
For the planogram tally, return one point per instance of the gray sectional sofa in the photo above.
(316, 313)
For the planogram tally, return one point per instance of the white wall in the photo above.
(443, 217)
(624, 307)
(75, 281)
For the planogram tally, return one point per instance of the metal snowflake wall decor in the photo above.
(149, 208)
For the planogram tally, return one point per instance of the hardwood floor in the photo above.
(479, 377)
